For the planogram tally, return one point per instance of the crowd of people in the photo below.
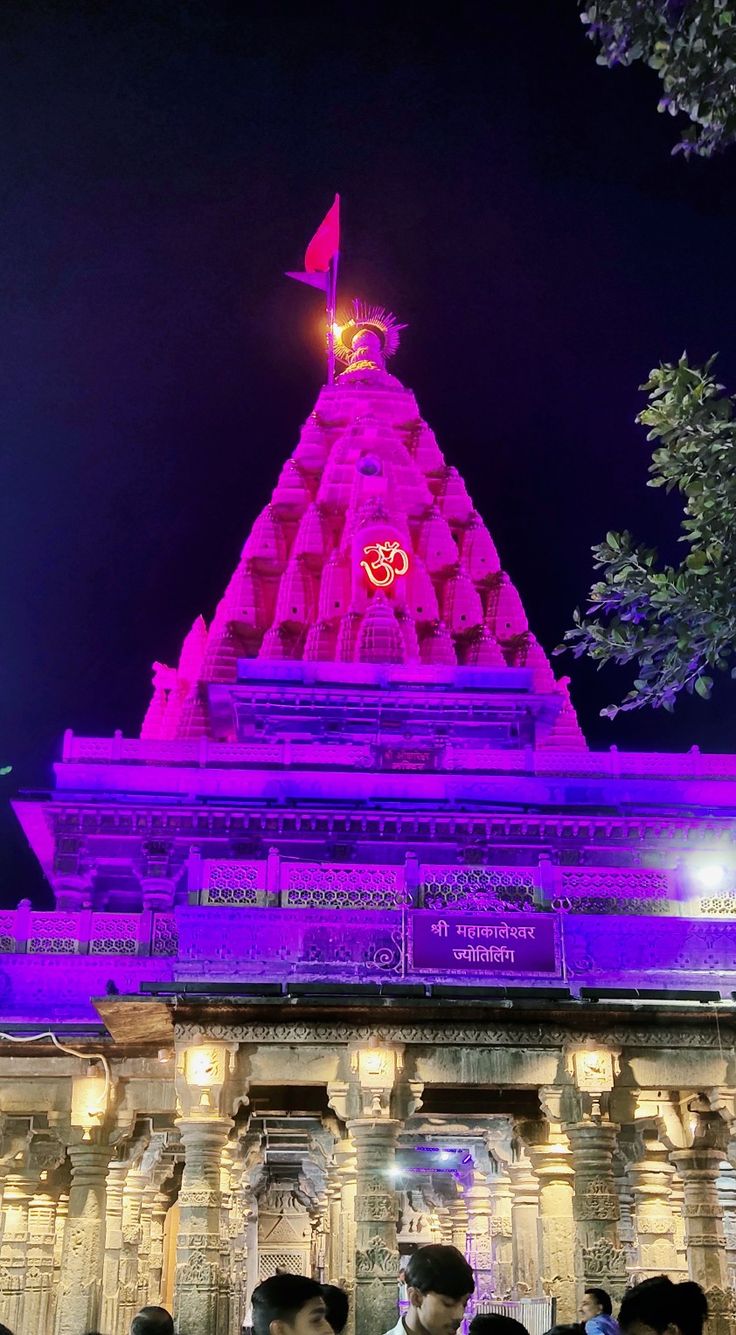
(438, 1284)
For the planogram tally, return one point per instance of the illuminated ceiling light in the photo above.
(444, 1156)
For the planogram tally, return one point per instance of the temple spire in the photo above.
(370, 551)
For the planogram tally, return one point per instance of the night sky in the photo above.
(162, 164)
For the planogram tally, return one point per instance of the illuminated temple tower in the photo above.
(360, 944)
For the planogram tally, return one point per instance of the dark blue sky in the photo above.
(161, 164)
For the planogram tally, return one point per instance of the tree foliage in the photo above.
(692, 46)
(675, 623)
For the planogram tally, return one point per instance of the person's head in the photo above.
(290, 1305)
(5, 1330)
(152, 1321)
(495, 1323)
(338, 1306)
(596, 1302)
(658, 1305)
(439, 1283)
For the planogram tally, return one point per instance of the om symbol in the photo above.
(389, 560)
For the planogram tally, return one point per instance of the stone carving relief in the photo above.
(514, 1036)
(597, 1201)
(376, 1259)
(604, 1260)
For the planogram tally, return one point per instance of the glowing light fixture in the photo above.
(708, 876)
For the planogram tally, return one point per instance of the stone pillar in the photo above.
(62, 1213)
(678, 1222)
(499, 1187)
(38, 1306)
(333, 1257)
(444, 1219)
(135, 1184)
(726, 1186)
(376, 1212)
(348, 1178)
(600, 1260)
(626, 1221)
(251, 1241)
(198, 1281)
(234, 1230)
(524, 1219)
(144, 1258)
(699, 1167)
(480, 1243)
(113, 1244)
(84, 1241)
(201, 1304)
(459, 1220)
(159, 1211)
(651, 1184)
(16, 1196)
(552, 1163)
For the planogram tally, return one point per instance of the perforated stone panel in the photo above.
(719, 906)
(53, 934)
(616, 882)
(114, 934)
(231, 882)
(355, 887)
(269, 1262)
(479, 888)
(165, 935)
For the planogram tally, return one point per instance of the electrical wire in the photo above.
(72, 1052)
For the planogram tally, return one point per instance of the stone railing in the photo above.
(611, 764)
(26, 931)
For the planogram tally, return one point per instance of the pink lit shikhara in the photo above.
(370, 551)
(386, 561)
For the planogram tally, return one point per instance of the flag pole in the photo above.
(331, 316)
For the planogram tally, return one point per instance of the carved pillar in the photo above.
(699, 1168)
(376, 1212)
(480, 1244)
(62, 1213)
(144, 1259)
(135, 1184)
(198, 1280)
(726, 1186)
(159, 1211)
(348, 1180)
(38, 1306)
(678, 1221)
(234, 1227)
(333, 1258)
(651, 1184)
(626, 1222)
(524, 1218)
(251, 1242)
(600, 1260)
(552, 1163)
(459, 1220)
(200, 1288)
(14, 1253)
(113, 1243)
(84, 1240)
(444, 1219)
(499, 1187)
